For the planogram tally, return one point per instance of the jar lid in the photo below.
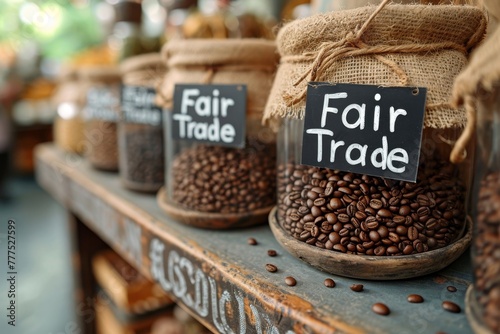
(210, 52)
(142, 62)
(393, 25)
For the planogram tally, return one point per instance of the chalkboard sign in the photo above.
(103, 103)
(364, 129)
(138, 105)
(212, 114)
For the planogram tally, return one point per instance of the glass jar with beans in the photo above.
(141, 126)
(101, 114)
(345, 152)
(478, 89)
(220, 160)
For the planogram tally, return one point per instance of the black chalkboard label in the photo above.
(138, 105)
(364, 129)
(213, 114)
(103, 103)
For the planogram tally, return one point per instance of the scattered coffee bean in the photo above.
(272, 252)
(381, 309)
(329, 283)
(451, 288)
(367, 215)
(271, 268)
(252, 241)
(451, 306)
(225, 180)
(357, 287)
(414, 298)
(289, 280)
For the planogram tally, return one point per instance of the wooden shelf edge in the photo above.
(221, 296)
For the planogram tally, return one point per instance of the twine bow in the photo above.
(330, 53)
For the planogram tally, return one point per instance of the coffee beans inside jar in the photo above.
(487, 251)
(101, 147)
(143, 154)
(225, 180)
(360, 214)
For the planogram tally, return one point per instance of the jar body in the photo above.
(101, 124)
(69, 128)
(367, 215)
(486, 208)
(141, 156)
(216, 179)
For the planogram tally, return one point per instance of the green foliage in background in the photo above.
(59, 27)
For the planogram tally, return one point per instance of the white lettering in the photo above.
(320, 133)
(227, 133)
(393, 115)
(362, 154)
(361, 116)
(382, 151)
(333, 149)
(327, 109)
(186, 101)
(394, 157)
(225, 104)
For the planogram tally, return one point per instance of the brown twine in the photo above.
(459, 152)
(330, 53)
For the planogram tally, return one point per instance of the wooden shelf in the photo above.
(221, 279)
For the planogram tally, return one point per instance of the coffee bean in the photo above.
(271, 268)
(381, 309)
(329, 283)
(375, 204)
(451, 307)
(272, 253)
(336, 203)
(451, 288)
(252, 241)
(290, 281)
(357, 287)
(414, 298)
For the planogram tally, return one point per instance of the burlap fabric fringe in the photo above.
(251, 62)
(481, 78)
(389, 45)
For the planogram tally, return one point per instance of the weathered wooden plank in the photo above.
(222, 281)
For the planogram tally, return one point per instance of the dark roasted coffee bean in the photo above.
(271, 268)
(329, 283)
(414, 298)
(357, 287)
(272, 252)
(451, 307)
(412, 233)
(381, 309)
(252, 241)
(290, 281)
(336, 203)
(319, 202)
(375, 204)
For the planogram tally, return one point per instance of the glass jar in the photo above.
(361, 214)
(141, 127)
(208, 184)
(69, 124)
(101, 114)
(486, 209)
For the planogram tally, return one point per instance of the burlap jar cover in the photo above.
(141, 136)
(69, 100)
(478, 88)
(101, 139)
(388, 45)
(238, 181)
